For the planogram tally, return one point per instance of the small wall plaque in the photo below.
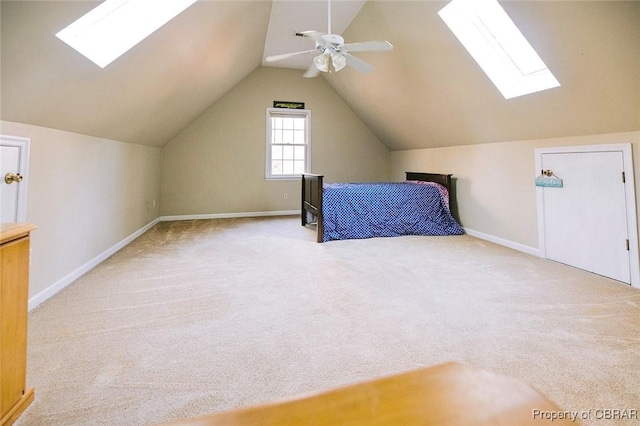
(548, 182)
(288, 104)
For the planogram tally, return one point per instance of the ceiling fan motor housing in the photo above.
(333, 39)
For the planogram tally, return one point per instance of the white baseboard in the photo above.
(228, 215)
(516, 246)
(68, 279)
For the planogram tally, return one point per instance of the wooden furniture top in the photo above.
(11, 231)
(447, 394)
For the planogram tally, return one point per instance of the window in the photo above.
(288, 140)
(115, 26)
(498, 46)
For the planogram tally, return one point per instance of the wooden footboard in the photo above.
(312, 202)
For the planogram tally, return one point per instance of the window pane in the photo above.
(276, 123)
(299, 123)
(276, 167)
(287, 152)
(277, 136)
(287, 167)
(299, 152)
(276, 152)
(287, 123)
(298, 167)
(298, 137)
(287, 136)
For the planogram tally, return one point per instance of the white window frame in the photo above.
(306, 114)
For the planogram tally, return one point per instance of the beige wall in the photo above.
(85, 195)
(495, 192)
(217, 164)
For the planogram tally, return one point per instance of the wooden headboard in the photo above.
(444, 180)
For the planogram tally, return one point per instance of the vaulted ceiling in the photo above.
(427, 92)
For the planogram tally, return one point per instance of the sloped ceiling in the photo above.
(428, 92)
(147, 95)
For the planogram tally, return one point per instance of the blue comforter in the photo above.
(366, 210)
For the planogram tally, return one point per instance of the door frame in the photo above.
(23, 144)
(630, 198)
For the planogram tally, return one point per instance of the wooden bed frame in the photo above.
(312, 195)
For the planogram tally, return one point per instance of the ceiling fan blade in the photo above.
(275, 58)
(358, 64)
(314, 35)
(312, 71)
(368, 46)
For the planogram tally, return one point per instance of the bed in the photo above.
(418, 206)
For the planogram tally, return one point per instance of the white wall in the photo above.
(494, 183)
(85, 195)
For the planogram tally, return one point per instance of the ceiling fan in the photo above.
(334, 54)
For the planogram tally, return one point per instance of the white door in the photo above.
(14, 153)
(585, 221)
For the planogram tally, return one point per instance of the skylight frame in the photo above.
(498, 46)
(115, 26)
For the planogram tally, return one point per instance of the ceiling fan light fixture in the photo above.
(322, 62)
(339, 61)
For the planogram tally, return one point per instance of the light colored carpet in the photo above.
(196, 317)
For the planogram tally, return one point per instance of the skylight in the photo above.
(498, 46)
(115, 26)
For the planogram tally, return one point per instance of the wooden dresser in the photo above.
(14, 295)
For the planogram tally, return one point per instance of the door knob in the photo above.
(9, 178)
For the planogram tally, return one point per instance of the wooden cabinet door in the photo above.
(14, 284)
